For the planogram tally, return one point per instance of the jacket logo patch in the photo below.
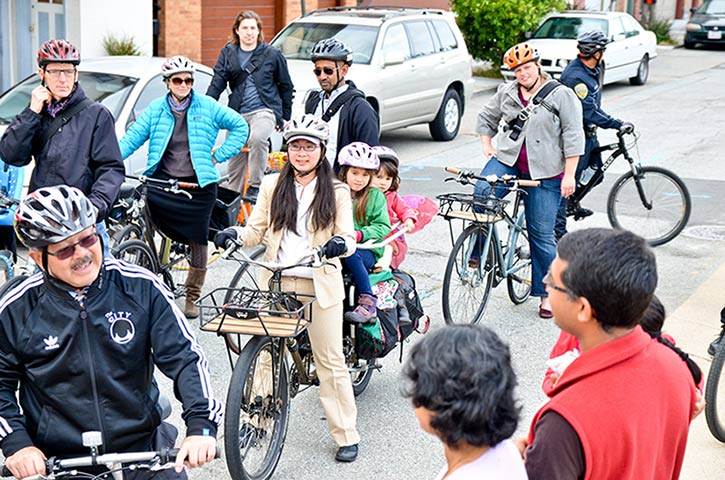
(51, 343)
(122, 329)
(581, 90)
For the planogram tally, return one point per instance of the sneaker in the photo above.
(582, 212)
(365, 312)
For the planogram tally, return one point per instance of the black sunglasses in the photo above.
(178, 81)
(327, 70)
(67, 252)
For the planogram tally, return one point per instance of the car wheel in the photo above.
(642, 72)
(448, 120)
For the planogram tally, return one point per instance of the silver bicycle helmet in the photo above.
(307, 127)
(360, 155)
(331, 49)
(177, 64)
(386, 153)
(51, 214)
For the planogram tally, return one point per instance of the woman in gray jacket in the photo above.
(545, 147)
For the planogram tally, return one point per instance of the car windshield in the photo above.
(110, 90)
(712, 7)
(296, 41)
(570, 27)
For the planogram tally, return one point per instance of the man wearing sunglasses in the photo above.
(72, 138)
(350, 117)
(81, 338)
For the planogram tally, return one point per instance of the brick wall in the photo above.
(180, 28)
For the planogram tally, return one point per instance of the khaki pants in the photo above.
(336, 394)
(261, 126)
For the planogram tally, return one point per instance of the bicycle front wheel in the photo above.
(518, 281)
(257, 411)
(138, 253)
(468, 280)
(655, 204)
(247, 275)
(715, 406)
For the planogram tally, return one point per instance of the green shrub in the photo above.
(661, 28)
(123, 45)
(490, 27)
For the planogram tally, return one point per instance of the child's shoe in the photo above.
(365, 312)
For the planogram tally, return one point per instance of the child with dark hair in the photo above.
(461, 383)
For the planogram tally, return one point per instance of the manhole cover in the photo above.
(706, 232)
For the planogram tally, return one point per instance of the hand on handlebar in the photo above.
(627, 127)
(334, 247)
(222, 239)
(26, 462)
(195, 451)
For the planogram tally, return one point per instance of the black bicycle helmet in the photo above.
(591, 42)
(331, 49)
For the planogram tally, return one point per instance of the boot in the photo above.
(194, 282)
(365, 312)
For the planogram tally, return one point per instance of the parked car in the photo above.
(125, 85)
(627, 55)
(706, 25)
(412, 64)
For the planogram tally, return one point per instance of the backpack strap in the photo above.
(517, 124)
(338, 103)
(58, 122)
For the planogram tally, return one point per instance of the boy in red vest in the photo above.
(622, 409)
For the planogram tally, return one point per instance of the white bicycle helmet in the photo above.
(360, 155)
(177, 64)
(51, 214)
(386, 153)
(307, 127)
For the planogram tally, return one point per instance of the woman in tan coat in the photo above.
(303, 207)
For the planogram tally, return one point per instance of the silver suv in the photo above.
(412, 64)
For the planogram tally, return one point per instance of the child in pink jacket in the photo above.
(387, 180)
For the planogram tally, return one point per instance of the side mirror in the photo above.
(393, 58)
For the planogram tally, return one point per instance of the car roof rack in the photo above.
(381, 11)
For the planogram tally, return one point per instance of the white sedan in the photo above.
(627, 56)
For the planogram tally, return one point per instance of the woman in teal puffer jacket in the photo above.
(181, 128)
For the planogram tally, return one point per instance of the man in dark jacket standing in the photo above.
(71, 137)
(262, 92)
(340, 103)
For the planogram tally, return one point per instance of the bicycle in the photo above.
(468, 278)
(714, 398)
(115, 463)
(7, 263)
(136, 242)
(652, 202)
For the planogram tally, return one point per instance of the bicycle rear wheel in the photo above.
(466, 286)
(668, 199)
(138, 253)
(246, 276)
(518, 283)
(175, 265)
(715, 406)
(257, 411)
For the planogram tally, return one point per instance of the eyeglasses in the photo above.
(56, 72)
(327, 70)
(299, 148)
(67, 252)
(548, 282)
(178, 81)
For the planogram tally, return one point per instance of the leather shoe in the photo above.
(545, 313)
(582, 212)
(347, 453)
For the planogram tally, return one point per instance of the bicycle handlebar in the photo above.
(54, 466)
(171, 185)
(465, 176)
(310, 258)
(368, 245)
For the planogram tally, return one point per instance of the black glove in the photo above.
(627, 127)
(334, 247)
(221, 239)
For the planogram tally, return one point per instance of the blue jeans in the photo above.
(359, 264)
(590, 158)
(540, 208)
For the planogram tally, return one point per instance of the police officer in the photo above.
(582, 75)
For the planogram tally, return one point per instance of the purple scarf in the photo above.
(54, 108)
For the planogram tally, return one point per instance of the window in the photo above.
(631, 27)
(616, 29)
(445, 35)
(420, 38)
(570, 27)
(296, 41)
(396, 41)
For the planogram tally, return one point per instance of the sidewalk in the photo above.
(484, 85)
(694, 324)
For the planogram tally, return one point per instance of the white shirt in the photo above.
(502, 462)
(294, 244)
(334, 122)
